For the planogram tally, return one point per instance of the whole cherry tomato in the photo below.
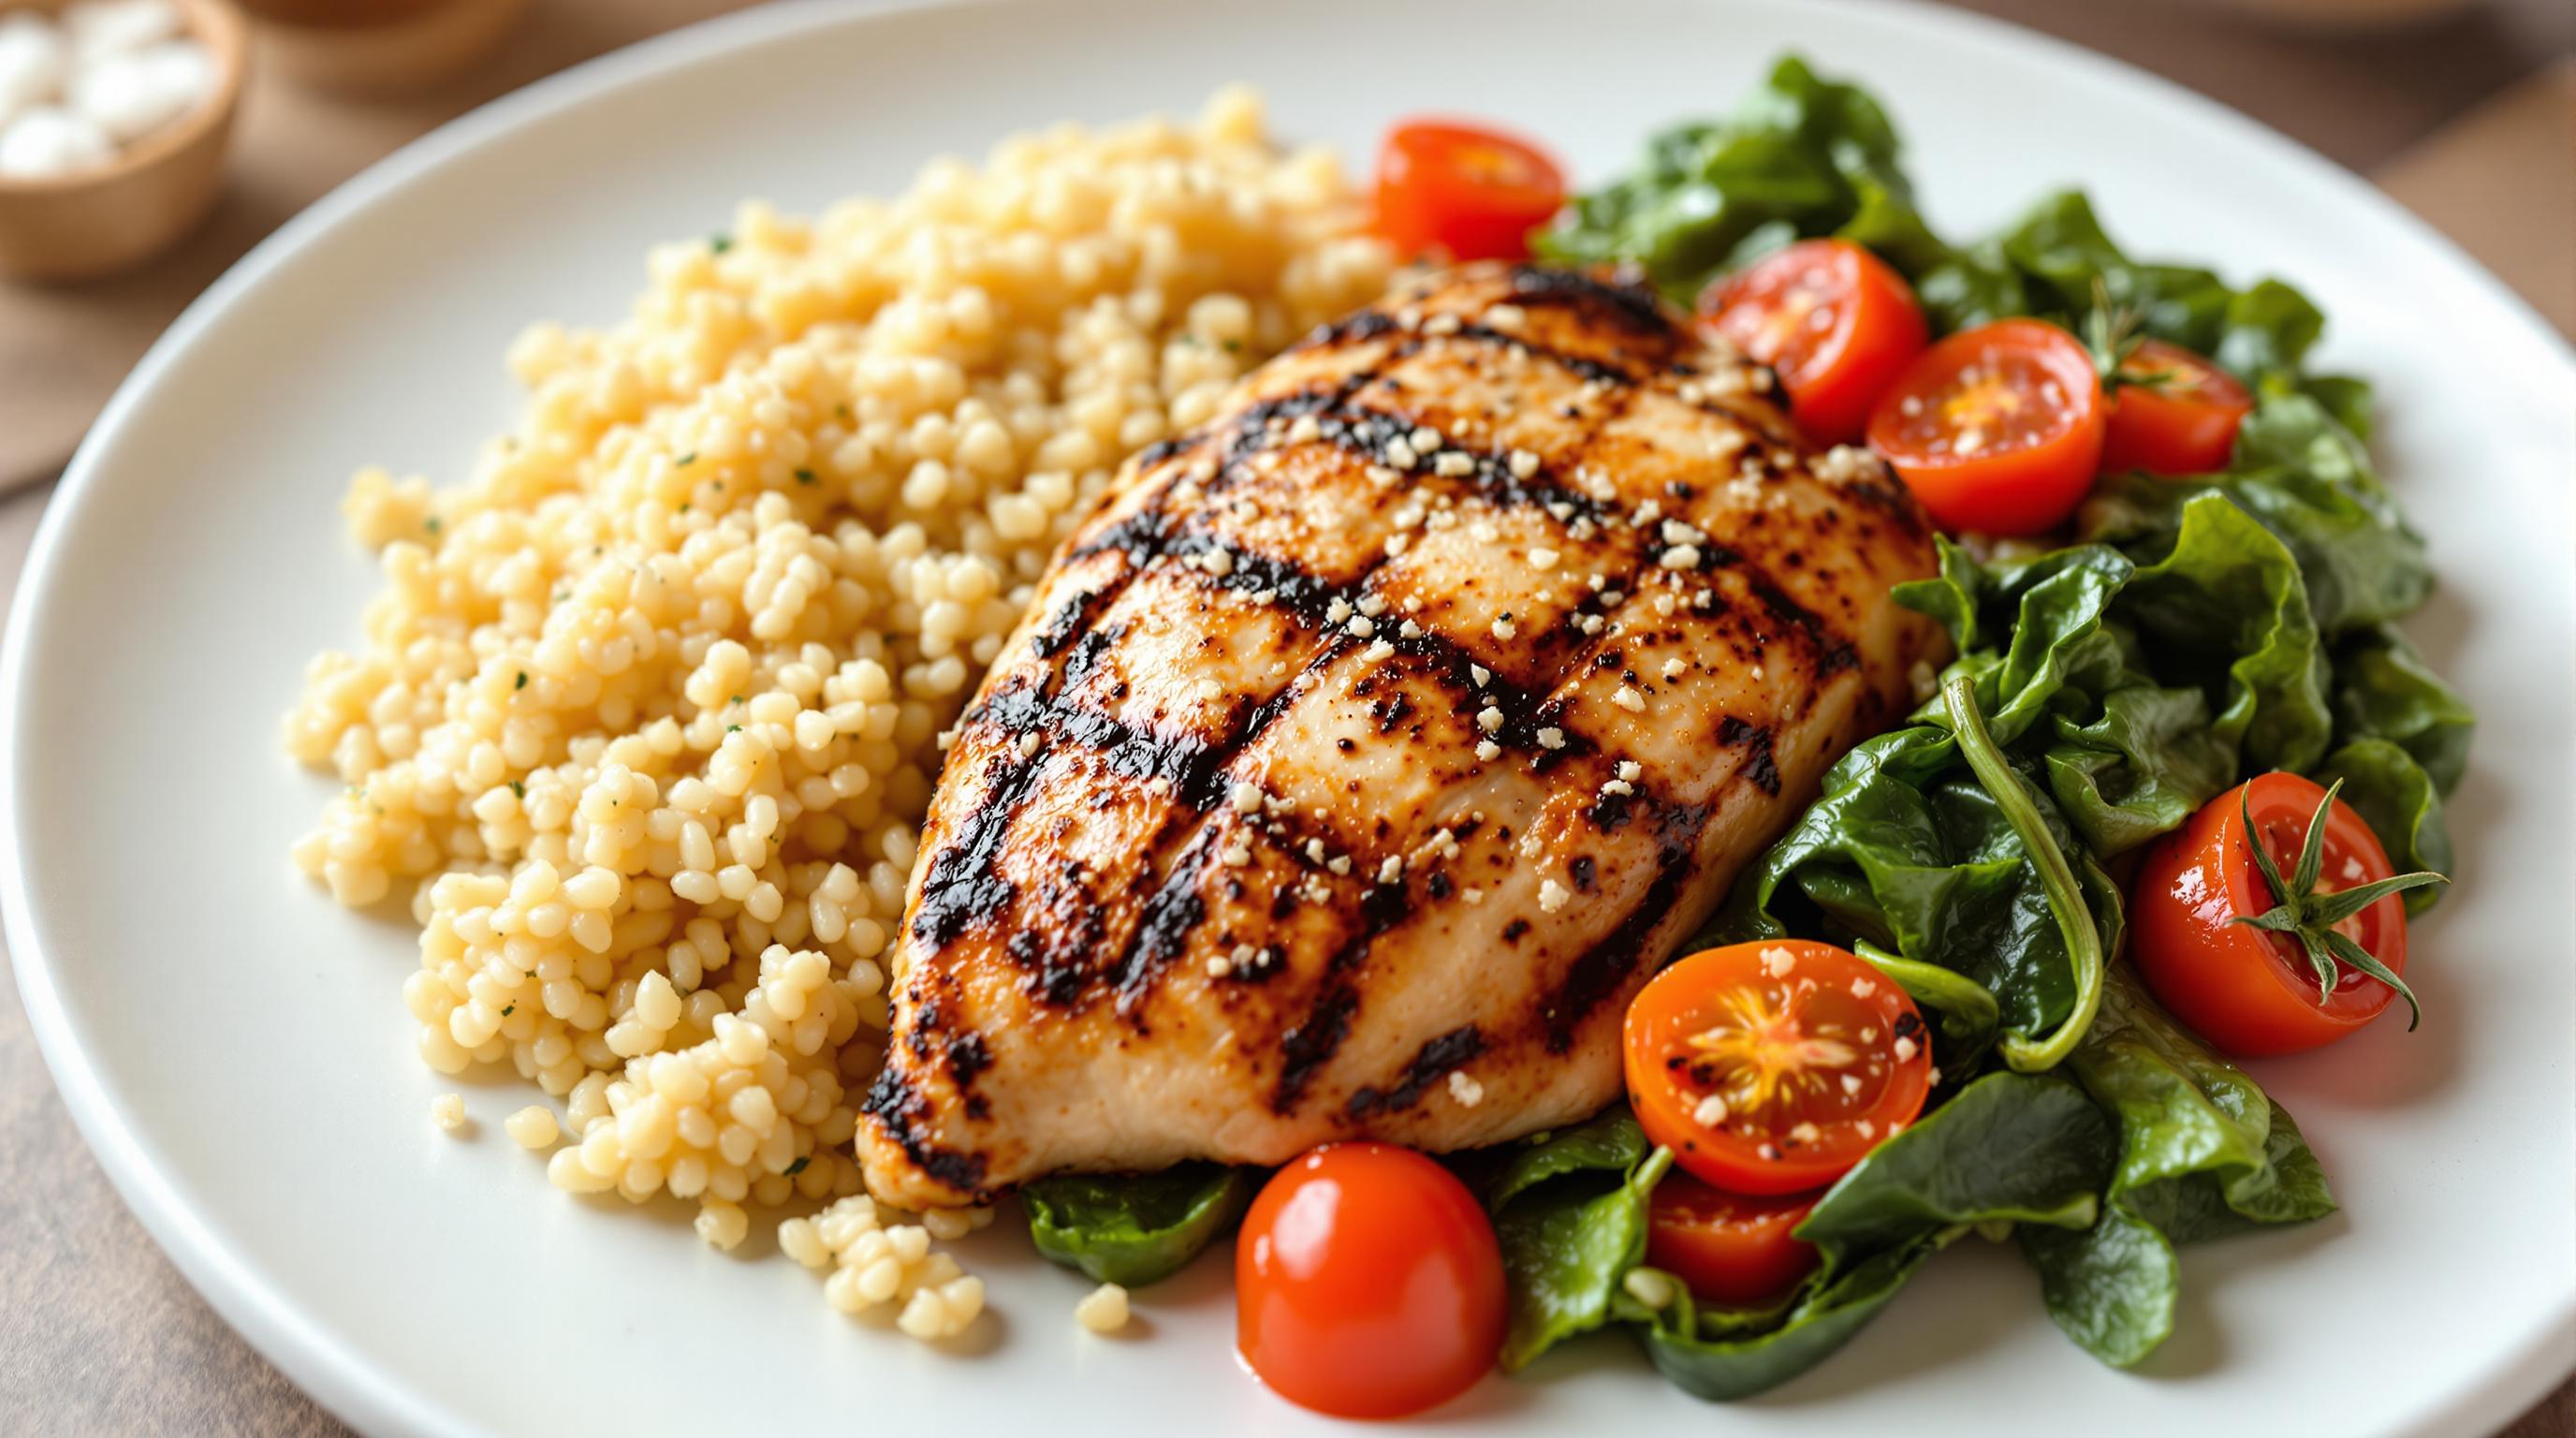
(1831, 319)
(1470, 190)
(2249, 990)
(1367, 1283)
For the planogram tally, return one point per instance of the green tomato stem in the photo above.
(2056, 877)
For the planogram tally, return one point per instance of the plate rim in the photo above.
(351, 1383)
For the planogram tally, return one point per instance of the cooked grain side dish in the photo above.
(650, 705)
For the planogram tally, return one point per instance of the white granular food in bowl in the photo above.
(647, 711)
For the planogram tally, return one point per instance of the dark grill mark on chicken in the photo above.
(1605, 968)
(1163, 932)
(1833, 652)
(1760, 765)
(1366, 433)
(1304, 1048)
(962, 882)
(1363, 739)
(967, 1057)
(1435, 1062)
(1626, 299)
(898, 1111)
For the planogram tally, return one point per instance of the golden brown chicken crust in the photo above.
(1372, 744)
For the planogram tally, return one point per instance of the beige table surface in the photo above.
(2472, 122)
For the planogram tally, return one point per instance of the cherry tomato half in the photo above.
(2182, 423)
(1996, 429)
(1773, 1066)
(2250, 992)
(1731, 1248)
(1367, 1283)
(1831, 319)
(1467, 189)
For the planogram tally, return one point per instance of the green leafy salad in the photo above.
(2177, 637)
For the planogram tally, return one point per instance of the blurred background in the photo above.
(2464, 110)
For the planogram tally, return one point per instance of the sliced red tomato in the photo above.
(1367, 1283)
(1771, 1067)
(1831, 319)
(1997, 429)
(2181, 418)
(2250, 991)
(1732, 1249)
(1470, 190)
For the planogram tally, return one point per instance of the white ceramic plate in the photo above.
(234, 1047)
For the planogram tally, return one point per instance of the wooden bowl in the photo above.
(99, 221)
(378, 47)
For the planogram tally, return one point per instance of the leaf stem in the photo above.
(2056, 878)
(1651, 1171)
(1968, 1010)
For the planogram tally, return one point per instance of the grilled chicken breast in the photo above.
(1369, 749)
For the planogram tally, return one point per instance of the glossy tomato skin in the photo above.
(1467, 189)
(1997, 429)
(1831, 319)
(2251, 993)
(2185, 424)
(1771, 1030)
(1367, 1283)
(1733, 1249)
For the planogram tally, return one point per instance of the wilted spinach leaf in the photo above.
(1707, 1357)
(2392, 793)
(2203, 1152)
(1802, 156)
(2112, 1287)
(2305, 478)
(1569, 1212)
(2384, 690)
(1134, 1229)
(1907, 850)
(1609, 1142)
(2151, 681)
(2010, 1147)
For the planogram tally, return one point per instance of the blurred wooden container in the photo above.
(378, 47)
(2343, 16)
(99, 221)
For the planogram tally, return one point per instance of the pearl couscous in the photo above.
(648, 710)
(1103, 1309)
(533, 1128)
(873, 1263)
